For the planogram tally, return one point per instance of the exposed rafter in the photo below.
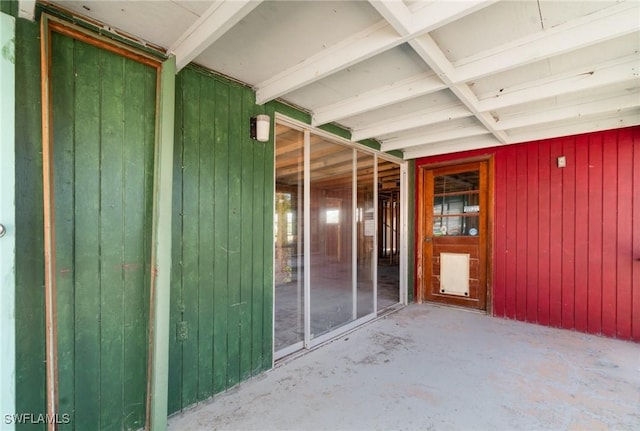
(426, 47)
(406, 122)
(583, 79)
(409, 88)
(475, 142)
(612, 22)
(432, 137)
(615, 104)
(613, 121)
(369, 42)
(212, 24)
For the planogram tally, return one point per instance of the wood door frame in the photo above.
(421, 228)
(158, 333)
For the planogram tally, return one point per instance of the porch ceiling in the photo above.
(422, 77)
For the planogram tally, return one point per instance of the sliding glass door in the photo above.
(326, 228)
(331, 223)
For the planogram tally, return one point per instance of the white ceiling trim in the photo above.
(586, 78)
(369, 42)
(423, 138)
(474, 143)
(418, 85)
(572, 111)
(612, 22)
(418, 119)
(212, 24)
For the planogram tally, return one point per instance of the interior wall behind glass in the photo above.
(288, 232)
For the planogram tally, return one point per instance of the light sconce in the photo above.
(259, 128)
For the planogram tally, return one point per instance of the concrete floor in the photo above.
(434, 368)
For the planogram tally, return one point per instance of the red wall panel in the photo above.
(566, 246)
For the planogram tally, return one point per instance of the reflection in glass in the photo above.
(456, 204)
(288, 219)
(331, 224)
(366, 227)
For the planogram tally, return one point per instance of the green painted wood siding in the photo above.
(30, 347)
(221, 298)
(103, 108)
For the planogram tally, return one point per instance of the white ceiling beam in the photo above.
(359, 47)
(612, 121)
(487, 141)
(431, 54)
(583, 79)
(396, 14)
(572, 111)
(432, 137)
(421, 17)
(419, 85)
(406, 122)
(27, 9)
(212, 24)
(609, 23)
(372, 41)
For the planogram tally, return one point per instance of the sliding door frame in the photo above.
(309, 342)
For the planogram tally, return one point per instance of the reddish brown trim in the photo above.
(49, 226)
(82, 35)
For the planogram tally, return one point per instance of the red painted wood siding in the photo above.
(567, 240)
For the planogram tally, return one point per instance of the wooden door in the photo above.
(454, 231)
(103, 129)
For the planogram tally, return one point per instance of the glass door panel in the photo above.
(288, 233)
(456, 204)
(331, 224)
(365, 235)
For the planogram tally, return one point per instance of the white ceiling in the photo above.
(422, 77)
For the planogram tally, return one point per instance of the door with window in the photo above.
(454, 232)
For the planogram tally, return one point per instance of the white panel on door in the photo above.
(454, 274)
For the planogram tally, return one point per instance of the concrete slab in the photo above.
(434, 368)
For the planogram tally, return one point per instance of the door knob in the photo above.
(3, 230)
(427, 239)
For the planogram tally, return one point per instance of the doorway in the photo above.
(103, 122)
(454, 234)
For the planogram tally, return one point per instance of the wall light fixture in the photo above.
(259, 128)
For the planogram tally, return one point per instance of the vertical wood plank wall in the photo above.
(567, 240)
(221, 301)
(222, 236)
